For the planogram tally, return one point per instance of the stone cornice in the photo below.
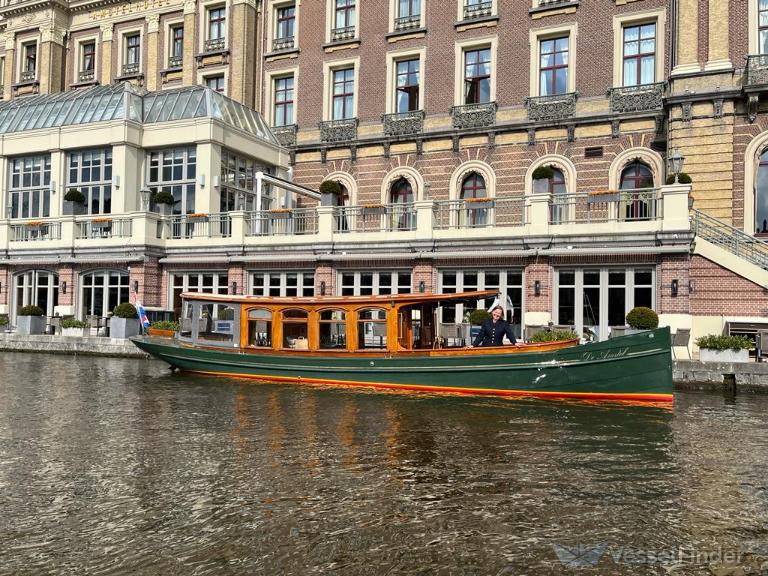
(26, 6)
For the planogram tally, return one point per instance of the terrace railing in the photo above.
(731, 239)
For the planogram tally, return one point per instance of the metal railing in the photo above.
(477, 213)
(403, 123)
(338, 130)
(27, 75)
(474, 115)
(637, 98)
(86, 76)
(374, 218)
(35, 232)
(731, 239)
(204, 226)
(285, 43)
(99, 228)
(552, 107)
(130, 69)
(286, 135)
(343, 33)
(477, 10)
(175, 61)
(214, 45)
(638, 205)
(408, 22)
(297, 221)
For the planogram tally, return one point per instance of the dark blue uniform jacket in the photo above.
(492, 333)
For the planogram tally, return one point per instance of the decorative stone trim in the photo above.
(637, 98)
(338, 130)
(474, 115)
(551, 107)
(286, 135)
(403, 124)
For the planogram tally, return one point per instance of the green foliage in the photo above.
(165, 325)
(32, 310)
(74, 195)
(721, 342)
(73, 323)
(125, 310)
(543, 173)
(163, 197)
(642, 318)
(477, 317)
(227, 314)
(3, 319)
(330, 187)
(554, 336)
(682, 178)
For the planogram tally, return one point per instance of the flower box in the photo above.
(477, 203)
(603, 196)
(77, 332)
(280, 213)
(29, 325)
(377, 209)
(197, 217)
(101, 223)
(710, 355)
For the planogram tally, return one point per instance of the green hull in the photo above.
(633, 367)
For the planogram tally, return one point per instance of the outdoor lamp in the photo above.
(676, 164)
(674, 287)
(146, 194)
(537, 287)
(63, 286)
(322, 288)
(136, 286)
(234, 287)
(422, 286)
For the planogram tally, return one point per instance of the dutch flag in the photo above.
(142, 315)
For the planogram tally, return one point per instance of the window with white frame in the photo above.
(87, 61)
(282, 112)
(30, 186)
(639, 54)
(367, 283)
(90, 171)
(38, 288)
(216, 83)
(407, 84)
(477, 75)
(216, 30)
(238, 182)
(594, 299)
(206, 282)
(131, 53)
(508, 282)
(285, 27)
(294, 283)
(176, 46)
(343, 94)
(344, 20)
(408, 14)
(174, 170)
(553, 66)
(29, 61)
(101, 291)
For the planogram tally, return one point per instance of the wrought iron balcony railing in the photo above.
(476, 10)
(86, 76)
(35, 231)
(27, 75)
(286, 135)
(638, 205)
(175, 61)
(551, 107)
(735, 241)
(200, 226)
(344, 33)
(637, 98)
(338, 130)
(408, 22)
(375, 218)
(404, 123)
(214, 45)
(285, 43)
(474, 115)
(296, 221)
(757, 70)
(479, 213)
(96, 228)
(131, 69)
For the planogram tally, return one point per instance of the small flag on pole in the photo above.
(142, 315)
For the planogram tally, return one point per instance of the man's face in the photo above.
(496, 314)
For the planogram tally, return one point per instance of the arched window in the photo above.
(559, 202)
(333, 329)
(475, 213)
(260, 328)
(38, 287)
(342, 198)
(295, 329)
(639, 205)
(101, 291)
(761, 196)
(402, 216)
(401, 192)
(473, 186)
(372, 328)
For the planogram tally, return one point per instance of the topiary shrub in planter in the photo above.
(30, 320)
(682, 178)
(642, 318)
(74, 203)
(73, 327)
(477, 317)
(721, 348)
(554, 336)
(329, 191)
(166, 328)
(163, 202)
(124, 322)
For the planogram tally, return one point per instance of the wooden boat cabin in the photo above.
(334, 324)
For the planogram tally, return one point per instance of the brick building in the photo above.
(518, 145)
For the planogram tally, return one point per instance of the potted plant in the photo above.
(31, 320)
(476, 319)
(164, 202)
(74, 203)
(682, 178)
(641, 318)
(72, 327)
(124, 322)
(720, 348)
(554, 336)
(541, 177)
(167, 328)
(3, 322)
(329, 191)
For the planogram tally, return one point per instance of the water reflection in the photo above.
(116, 466)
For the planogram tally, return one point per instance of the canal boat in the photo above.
(397, 341)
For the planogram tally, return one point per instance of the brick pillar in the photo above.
(237, 274)
(325, 273)
(67, 274)
(688, 37)
(5, 286)
(242, 46)
(538, 309)
(10, 52)
(153, 29)
(51, 61)
(188, 75)
(674, 268)
(106, 54)
(424, 271)
(149, 276)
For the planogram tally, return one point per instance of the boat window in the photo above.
(333, 329)
(295, 329)
(216, 324)
(372, 328)
(260, 328)
(185, 329)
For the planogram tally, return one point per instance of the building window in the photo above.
(217, 29)
(344, 16)
(638, 205)
(402, 216)
(90, 171)
(761, 196)
(639, 54)
(174, 170)
(87, 57)
(132, 54)
(762, 27)
(477, 76)
(282, 284)
(408, 14)
(367, 283)
(206, 282)
(101, 291)
(407, 86)
(176, 49)
(283, 101)
(238, 183)
(636, 176)
(473, 215)
(216, 83)
(553, 66)
(559, 208)
(37, 287)
(343, 94)
(29, 64)
(30, 192)
(286, 21)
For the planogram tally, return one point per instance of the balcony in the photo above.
(27, 76)
(282, 222)
(103, 227)
(286, 135)
(35, 231)
(214, 45)
(338, 130)
(286, 43)
(175, 62)
(343, 34)
(606, 206)
(557, 107)
(637, 98)
(404, 123)
(407, 22)
(470, 116)
(476, 10)
(479, 213)
(186, 226)
(756, 72)
(86, 76)
(130, 69)
(374, 218)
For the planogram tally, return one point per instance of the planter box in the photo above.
(123, 327)
(78, 332)
(30, 324)
(709, 355)
(74, 208)
(158, 332)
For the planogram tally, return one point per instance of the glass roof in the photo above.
(124, 101)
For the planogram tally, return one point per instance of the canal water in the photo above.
(111, 466)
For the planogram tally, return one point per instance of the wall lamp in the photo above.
(1, 287)
(537, 287)
(322, 288)
(136, 286)
(63, 286)
(422, 286)
(233, 288)
(674, 287)
(691, 286)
